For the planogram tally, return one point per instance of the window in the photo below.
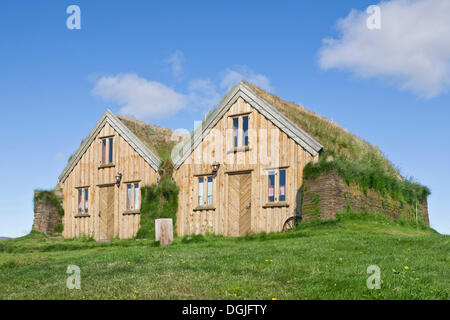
(240, 131)
(107, 150)
(136, 196)
(235, 131)
(110, 150)
(245, 131)
(103, 151)
(200, 191)
(210, 191)
(282, 187)
(277, 186)
(205, 187)
(80, 200)
(83, 206)
(86, 200)
(128, 196)
(133, 196)
(271, 190)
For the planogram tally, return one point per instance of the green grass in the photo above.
(319, 260)
(370, 174)
(158, 201)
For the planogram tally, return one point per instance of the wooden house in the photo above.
(239, 173)
(242, 170)
(102, 179)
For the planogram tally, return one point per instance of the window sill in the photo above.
(82, 215)
(239, 149)
(106, 165)
(276, 204)
(204, 208)
(131, 212)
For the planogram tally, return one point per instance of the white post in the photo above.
(164, 231)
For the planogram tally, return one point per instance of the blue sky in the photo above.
(55, 83)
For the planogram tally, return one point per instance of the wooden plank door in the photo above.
(239, 204)
(106, 213)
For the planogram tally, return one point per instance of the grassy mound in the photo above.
(158, 201)
(319, 260)
(369, 174)
(334, 138)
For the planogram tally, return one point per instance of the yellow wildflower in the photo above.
(406, 267)
(274, 298)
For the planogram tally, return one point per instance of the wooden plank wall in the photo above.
(215, 220)
(86, 173)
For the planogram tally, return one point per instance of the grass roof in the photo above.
(157, 139)
(335, 139)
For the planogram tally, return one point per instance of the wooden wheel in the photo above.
(291, 223)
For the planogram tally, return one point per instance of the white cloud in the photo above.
(176, 60)
(203, 93)
(146, 100)
(232, 76)
(139, 97)
(411, 50)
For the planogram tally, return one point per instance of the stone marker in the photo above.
(164, 231)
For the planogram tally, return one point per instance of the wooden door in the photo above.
(239, 204)
(106, 213)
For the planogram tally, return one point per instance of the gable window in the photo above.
(133, 196)
(235, 132)
(107, 145)
(110, 150)
(103, 151)
(240, 130)
(83, 201)
(276, 186)
(245, 131)
(205, 191)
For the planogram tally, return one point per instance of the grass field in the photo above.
(326, 260)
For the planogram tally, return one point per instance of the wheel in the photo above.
(291, 223)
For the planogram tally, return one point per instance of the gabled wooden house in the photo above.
(102, 180)
(242, 170)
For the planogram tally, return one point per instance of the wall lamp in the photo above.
(216, 166)
(118, 178)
